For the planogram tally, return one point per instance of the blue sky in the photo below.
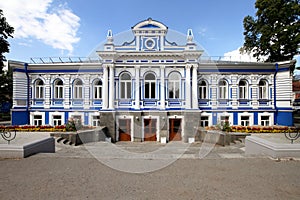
(52, 28)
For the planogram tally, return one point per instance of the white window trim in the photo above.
(271, 118)
(245, 90)
(264, 95)
(157, 126)
(209, 115)
(39, 90)
(126, 88)
(150, 86)
(32, 114)
(91, 117)
(250, 115)
(99, 89)
(223, 90)
(51, 114)
(203, 93)
(59, 89)
(78, 90)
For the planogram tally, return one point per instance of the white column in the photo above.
(188, 86)
(137, 87)
(162, 87)
(111, 87)
(47, 91)
(105, 87)
(67, 91)
(195, 87)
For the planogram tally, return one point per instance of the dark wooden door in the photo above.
(124, 130)
(150, 129)
(175, 130)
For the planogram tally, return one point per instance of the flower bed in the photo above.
(263, 129)
(30, 128)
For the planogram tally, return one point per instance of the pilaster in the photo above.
(162, 87)
(111, 86)
(105, 87)
(195, 87)
(137, 87)
(188, 86)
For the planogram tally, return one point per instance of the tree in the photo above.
(274, 33)
(5, 31)
(5, 77)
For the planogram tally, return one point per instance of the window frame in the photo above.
(151, 86)
(243, 89)
(78, 89)
(58, 92)
(263, 89)
(223, 89)
(39, 89)
(175, 82)
(201, 87)
(125, 85)
(97, 89)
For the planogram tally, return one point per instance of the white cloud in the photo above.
(55, 26)
(236, 55)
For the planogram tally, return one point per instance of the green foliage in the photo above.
(275, 31)
(5, 31)
(6, 84)
(73, 125)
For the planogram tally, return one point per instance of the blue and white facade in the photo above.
(152, 82)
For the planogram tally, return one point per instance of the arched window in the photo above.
(77, 89)
(150, 86)
(223, 92)
(174, 86)
(97, 88)
(263, 92)
(39, 89)
(203, 90)
(243, 89)
(125, 86)
(58, 89)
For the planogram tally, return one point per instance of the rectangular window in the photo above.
(263, 92)
(150, 90)
(125, 90)
(204, 121)
(58, 93)
(39, 92)
(222, 92)
(98, 92)
(202, 92)
(265, 120)
(245, 121)
(37, 120)
(57, 121)
(96, 121)
(77, 92)
(242, 92)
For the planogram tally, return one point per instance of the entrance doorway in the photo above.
(175, 129)
(124, 129)
(150, 129)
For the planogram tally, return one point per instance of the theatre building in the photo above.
(151, 86)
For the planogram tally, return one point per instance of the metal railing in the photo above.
(8, 135)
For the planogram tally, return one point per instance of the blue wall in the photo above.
(19, 117)
(285, 118)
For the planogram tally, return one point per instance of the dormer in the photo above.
(150, 35)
